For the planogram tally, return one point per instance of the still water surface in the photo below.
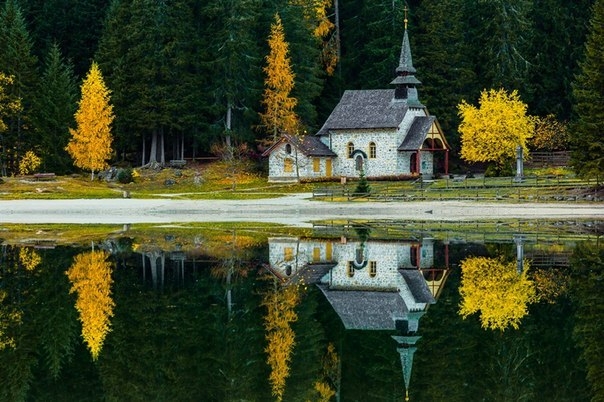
(346, 316)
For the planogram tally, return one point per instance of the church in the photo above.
(382, 133)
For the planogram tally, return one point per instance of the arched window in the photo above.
(350, 149)
(372, 268)
(372, 150)
(288, 149)
(350, 269)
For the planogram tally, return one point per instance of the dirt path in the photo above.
(294, 210)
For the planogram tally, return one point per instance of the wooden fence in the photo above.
(543, 159)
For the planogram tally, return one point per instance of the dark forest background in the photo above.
(176, 67)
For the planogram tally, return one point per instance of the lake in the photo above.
(349, 313)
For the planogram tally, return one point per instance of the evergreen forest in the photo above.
(185, 75)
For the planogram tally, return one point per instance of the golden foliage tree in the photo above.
(280, 304)
(492, 131)
(315, 14)
(29, 162)
(29, 258)
(279, 116)
(550, 134)
(8, 317)
(496, 290)
(90, 277)
(90, 144)
(8, 105)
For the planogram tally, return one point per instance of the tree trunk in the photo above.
(153, 153)
(144, 151)
(162, 146)
(227, 138)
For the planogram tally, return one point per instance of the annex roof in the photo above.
(309, 145)
(417, 133)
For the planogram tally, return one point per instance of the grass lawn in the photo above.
(216, 181)
(208, 181)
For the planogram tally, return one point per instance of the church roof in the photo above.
(366, 109)
(417, 133)
(367, 310)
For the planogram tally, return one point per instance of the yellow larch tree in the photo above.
(90, 144)
(492, 131)
(9, 317)
(315, 14)
(29, 258)
(279, 115)
(90, 277)
(497, 290)
(8, 105)
(280, 304)
(550, 134)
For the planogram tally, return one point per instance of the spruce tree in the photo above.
(499, 33)
(53, 111)
(440, 54)
(231, 56)
(588, 89)
(16, 60)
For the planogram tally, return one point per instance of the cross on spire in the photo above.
(406, 20)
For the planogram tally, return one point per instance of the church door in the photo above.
(413, 163)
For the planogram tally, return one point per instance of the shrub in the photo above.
(29, 163)
(363, 187)
(125, 176)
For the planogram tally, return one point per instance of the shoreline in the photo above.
(292, 210)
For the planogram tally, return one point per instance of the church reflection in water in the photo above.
(372, 285)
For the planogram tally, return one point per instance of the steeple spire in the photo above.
(405, 80)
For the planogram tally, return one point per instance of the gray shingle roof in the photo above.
(309, 145)
(366, 109)
(311, 273)
(417, 133)
(365, 309)
(417, 285)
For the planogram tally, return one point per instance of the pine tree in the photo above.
(16, 60)
(440, 54)
(232, 58)
(53, 112)
(90, 145)
(557, 45)
(588, 90)
(304, 22)
(279, 115)
(146, 56)
(500, 32)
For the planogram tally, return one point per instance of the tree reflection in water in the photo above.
(193, 326)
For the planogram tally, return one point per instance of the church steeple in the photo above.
(405, 80)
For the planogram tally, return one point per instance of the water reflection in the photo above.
(347, 315)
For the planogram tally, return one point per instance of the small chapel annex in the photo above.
(385, 133)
